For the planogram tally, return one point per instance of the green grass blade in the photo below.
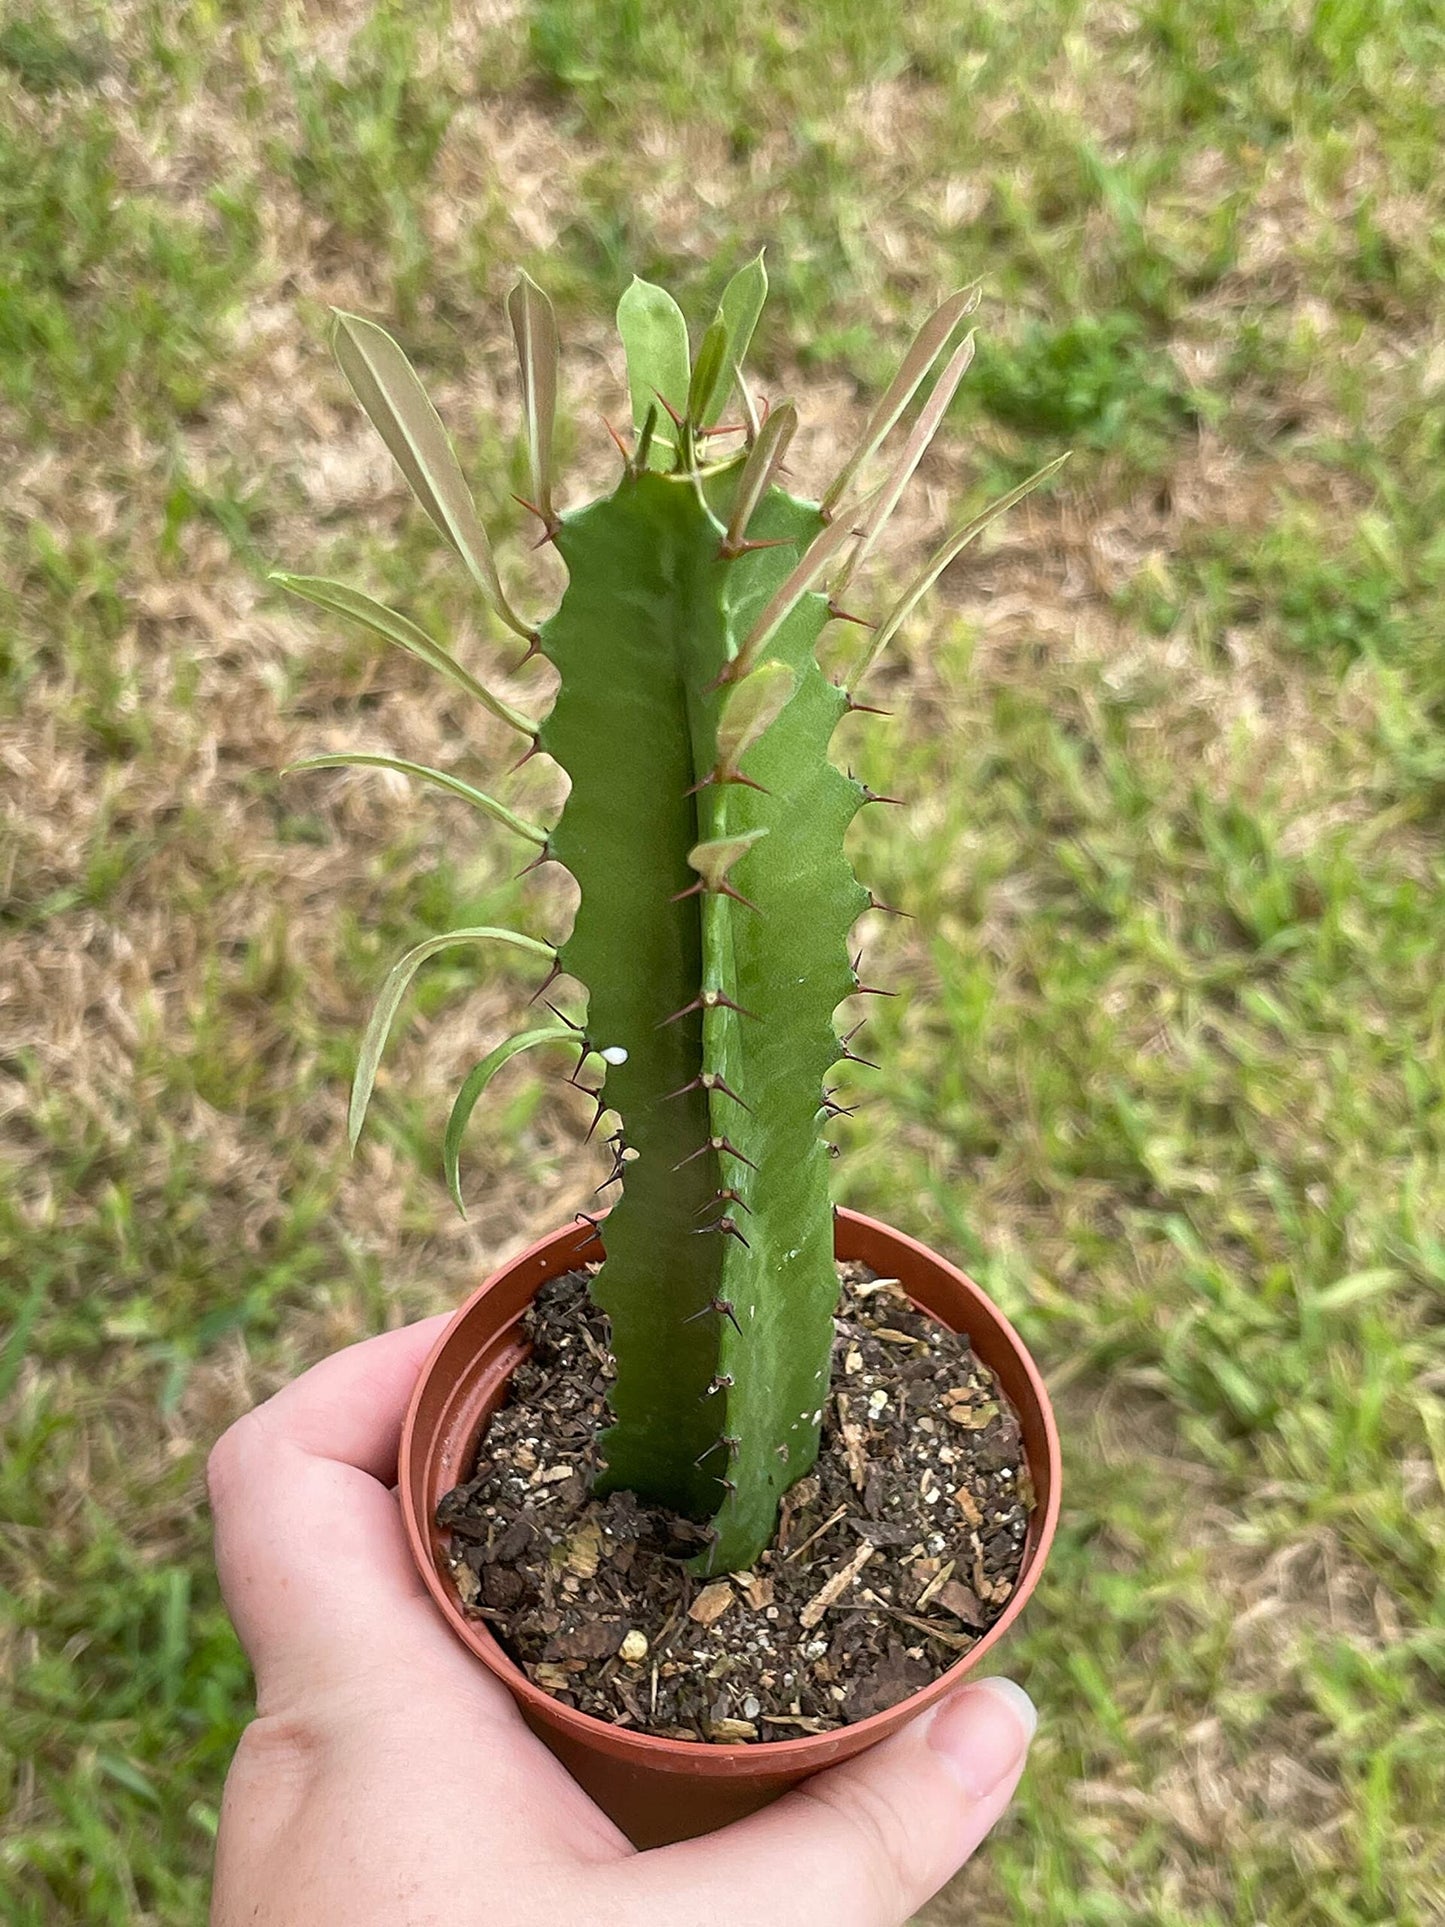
(476, 1081)
(488, 805)
(387, 386)
(392, 992)
(338, 599)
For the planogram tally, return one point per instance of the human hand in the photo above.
(388, 1780)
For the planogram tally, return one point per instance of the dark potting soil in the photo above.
(892, 1557)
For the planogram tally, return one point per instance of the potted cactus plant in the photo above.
(704, 827)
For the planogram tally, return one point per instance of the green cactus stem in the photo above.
(704, 827)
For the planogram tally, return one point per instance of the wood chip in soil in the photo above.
(893, 1556)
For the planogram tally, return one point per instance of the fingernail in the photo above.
(984, 1733)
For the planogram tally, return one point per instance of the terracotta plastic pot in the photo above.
(659, 1790)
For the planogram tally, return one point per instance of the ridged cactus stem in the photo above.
(704, 827)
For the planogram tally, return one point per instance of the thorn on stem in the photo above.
(708, 1081)
(726, 776)
(709, 1000)
(550, 523)
(546, 984)
(839, 614)
(730, 551)
(715, 1144)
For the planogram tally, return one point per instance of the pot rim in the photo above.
(708, 1756)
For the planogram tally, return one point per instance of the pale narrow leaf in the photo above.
(475, 1082)
(814, 564)
(764, 459)
(914, 449)
(752, 706)
(386, 385)
(739, 309)
(928, 344)
(534, 328)
(340, 600)
(654, 334)
(392, 992)
(488, 805)
(953, 546)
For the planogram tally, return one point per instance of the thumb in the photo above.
(865, 1844)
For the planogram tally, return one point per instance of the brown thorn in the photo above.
(585, 1217)
(872, 796)
(871, 990)
(845, 615)
(622, 447)
(729, 1228)
(888, 909)
(727, 776)
(708, 1450)
(726, 1144)
(852, 1057)
(550, 523)
(730, 551)
(677, 420)
(724, 889)
(864, 709)
(709, 1081)
(525, 757)
(723, 428)
(545, 856)
(596, 1115)
(709, 1000)
(614, 1179)
(724, 1195)
(563, 1018)
(534, 648)
(546, 984)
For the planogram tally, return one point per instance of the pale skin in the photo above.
(387, 1780)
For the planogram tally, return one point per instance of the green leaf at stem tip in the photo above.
(710, 367)
(392, 992)
(739, 309)
(534, 328)
(488, 805)
(928, 344)
(387, 386)
(352, 603)
(654, 335)
(953, 546)
(476, 1081)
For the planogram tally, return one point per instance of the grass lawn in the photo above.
(1169, 1075)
